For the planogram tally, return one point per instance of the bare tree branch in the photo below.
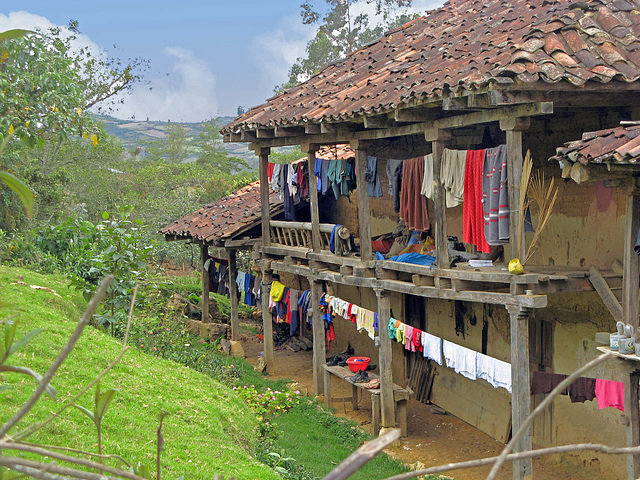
(540, 408)
(75, 450)
(46, 379)
(33, 468)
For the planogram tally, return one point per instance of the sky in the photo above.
(207, 57)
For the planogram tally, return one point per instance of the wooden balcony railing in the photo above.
(298, 234)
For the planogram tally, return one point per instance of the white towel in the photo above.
(432, 347)
(503, 375)
(461, 359)
(494, 371)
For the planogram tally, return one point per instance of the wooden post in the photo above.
(311, 149)
(631, 271)
(364, 210)
(633, 425)
(385, 360)
(319, 345)
(521, 390)
(204, 253)
(514, 128)
(263, 154)
(438, 138)
(267, 322)
(233, 295)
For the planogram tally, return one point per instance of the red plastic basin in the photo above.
(357, 364)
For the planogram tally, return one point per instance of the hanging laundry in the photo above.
(277, 289)
(495, 196)
(432, 347)
(472, 213)
(428, 186)
(324, 172)
(461, 359)
(394, 175)
(408, 342)
(417, 340)
(494, 371)
(610, 393)
(452, 176)
(334, 176)
(413, 206)
(372, 178)
(317, 170)
(289, 206)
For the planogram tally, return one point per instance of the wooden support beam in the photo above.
(263, 154)
(455, 103)
(413, 115)
(438, 138)
(265, 133)
(630, 262)
(385, 360)
(204, 254)
(632, 426)
(319, 349)
(364, 210)
(289, 131)
(513, 128)
(521, 390)
(610, 301)
(235, 137)
(267, 322)
(248, 136)
(233, 295)
(226, 138)
(314, 206)
(379, 121)
(312, 129)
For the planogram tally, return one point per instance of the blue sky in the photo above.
(207, 57)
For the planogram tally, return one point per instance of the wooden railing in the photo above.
(298, 234)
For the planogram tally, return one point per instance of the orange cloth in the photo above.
(413, 205)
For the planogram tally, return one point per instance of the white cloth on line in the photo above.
(431, 347)
(461, 359)
(494, 371)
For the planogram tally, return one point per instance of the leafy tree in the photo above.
(173, 148)
(340, 32)
(212, 153)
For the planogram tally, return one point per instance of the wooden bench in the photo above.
(400, 396)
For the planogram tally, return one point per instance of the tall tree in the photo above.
(341, 31)
(211, 152)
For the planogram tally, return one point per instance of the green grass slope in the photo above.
(209, 429)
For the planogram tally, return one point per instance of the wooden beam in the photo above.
(610, 301)
(265, 133)
(514, 128)
(241, 243)
(339, 127)
(314, 206)
(226, 138)
(630, 261)
(438, 139)
(248, 136)
(204, 255)
(379, 121)
(263, 154)
(312, 129)
(233, 295)
(412, 115)
(521, 390)
(385, 358)
(289, 131)
(632, 426)
(455, 103)
(364, 210)
(267, 322)
(319, 349)
(456, 121)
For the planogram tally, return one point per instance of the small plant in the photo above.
(268, 403)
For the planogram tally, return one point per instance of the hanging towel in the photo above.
(392, 329)
(495, 196)
(494, 371)
(452, 175)
(428, 187)
(544, 382)
(432, 347)
(461, 359)
(394, 174)
(472, 212)
(408, 338)
(610, 394)
(374, 189)
(240, 279)
(413, 205)
(583, 389)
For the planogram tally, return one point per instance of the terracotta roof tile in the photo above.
(611, 145)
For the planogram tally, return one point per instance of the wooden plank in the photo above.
(438, 139)
(521, 390)
(263, 154)
(327, 388)
(313, 197)
(633, 422)
(298, 252)
(630, 263)
(385, 359)
(318, 337)
(233, 296)
(364, 211)
(609, 299)
(204, 254)
(267, 323)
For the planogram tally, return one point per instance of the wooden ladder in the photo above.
(609, 287)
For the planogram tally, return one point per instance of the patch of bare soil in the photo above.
(432, 439)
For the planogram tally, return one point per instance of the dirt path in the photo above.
(432, 439)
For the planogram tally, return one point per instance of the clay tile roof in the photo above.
(240, 211)
(467, 45)
(613, 145)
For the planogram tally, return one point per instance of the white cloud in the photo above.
(186, 94)
(278, 49)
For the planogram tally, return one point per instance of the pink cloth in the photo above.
(408, 335)
(610, 393)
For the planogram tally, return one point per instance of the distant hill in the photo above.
(133, 133)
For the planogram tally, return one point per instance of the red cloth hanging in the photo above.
(413, 205)
(472, 211)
